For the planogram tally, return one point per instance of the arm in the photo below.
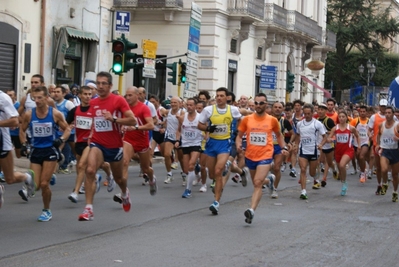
(281, 142)
(11, 122)
(354, 132)
(61, 122)
(128, 118)
(21, 107)
(24, 126)
(377, 146)
(328, 139)
(239, 141)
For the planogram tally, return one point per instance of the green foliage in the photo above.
(361, 26)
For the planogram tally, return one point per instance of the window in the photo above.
(259, 52)
(233, 45)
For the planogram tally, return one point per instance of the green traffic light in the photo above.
(117, 68)
(183, 79)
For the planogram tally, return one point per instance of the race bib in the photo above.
(102, 125)
(43, 129)
(388, 141)
(306, 141)
(83, 122)
(190, 135)
(221, 129)
(342, 138)
(258, 139)
(362, 133)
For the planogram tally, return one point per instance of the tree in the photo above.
(361, 26)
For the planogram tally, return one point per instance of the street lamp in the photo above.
(370, 73)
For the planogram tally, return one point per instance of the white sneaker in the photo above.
(174, 165)
(73, 197)
(274, 194)
(111, 183)
(169, 179)
(203, 188)
(82, 189)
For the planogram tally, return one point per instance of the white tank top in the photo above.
(172, 124)
(387, 140)
(29, 103)
(190, 134)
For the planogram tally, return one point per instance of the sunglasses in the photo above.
(261, 103)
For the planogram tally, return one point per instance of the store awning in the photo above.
(326, 93)
(79, 34)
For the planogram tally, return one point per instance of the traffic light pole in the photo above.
(120, 84)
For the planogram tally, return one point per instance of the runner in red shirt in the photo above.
(106, 140)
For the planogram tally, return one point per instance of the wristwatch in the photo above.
(136, 127)
(115, 118)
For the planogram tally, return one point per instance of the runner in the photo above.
(308, 131)
(42, 121)
(202, 160)
(259, 128)
(106, 141)
(191, 139)
(387, 148)
(218, 146)
(344, 151)
(83, 122)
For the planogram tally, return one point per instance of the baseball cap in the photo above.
(383, 102)
(92, 85)
(322, 105)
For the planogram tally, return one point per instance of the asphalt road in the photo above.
(359, 229)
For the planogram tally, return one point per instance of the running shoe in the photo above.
(379, 189)
(271, 178)
(126, 204)
(111, 183)
(384, 189)
(213, 183)
(53, 179)
(197, 168)
(184, 178)
(118, 198)
(375, 171)
(153, 186)
(169, 179)
(45, 216)
(23, 193)
(174, 165)
(73, 197)
(353, 172)
(369, 175)
(335, 175)
(249, 215)
(82, 189)
(303, 196)
(196, 180)
(274, 194)
(362, 177)
(293, 173)
(203, 188)
(31, 186)
(322, 167)
(146, 179)
(236, 178)
(2, 178)
(64, 171)
(283, 167)
(344, 188)
(245, 176)
(323, 183)
(316, 184)
(86, 215)
(186, 194)
(98, 182)
(214, 208)
(1, 195)
(226, 168)
(394, 197)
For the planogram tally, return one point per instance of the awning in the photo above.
(79, 34)
(326, 93)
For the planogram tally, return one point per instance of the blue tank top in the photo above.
(62, 108)
(15, 132)
(43, 130)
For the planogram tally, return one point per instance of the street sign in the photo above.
(149, 45)
(268, 81)
(149, 73)
(194, 33)
(149, 54)
(122, 24)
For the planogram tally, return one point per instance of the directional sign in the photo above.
(149, 45)
(194, 33)
(268, 77)
(122, 24)
(149, 54)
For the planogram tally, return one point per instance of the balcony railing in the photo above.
(331, 39)
(300, 23)
(149, 3)
(254, 8)
(275, 14)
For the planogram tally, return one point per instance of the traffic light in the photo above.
(172, 73)
(128, 65)
(182, 74)
(290, 82)
(118, 50)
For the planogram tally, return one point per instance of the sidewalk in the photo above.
(22, 164)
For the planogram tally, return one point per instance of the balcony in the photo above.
(301, 24)
(247, 8)
(275, 15)
(149, 4)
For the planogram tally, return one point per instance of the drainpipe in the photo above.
(42, 36)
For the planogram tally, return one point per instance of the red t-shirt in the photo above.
(105, 132)
(140, 111)
(83, 123)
